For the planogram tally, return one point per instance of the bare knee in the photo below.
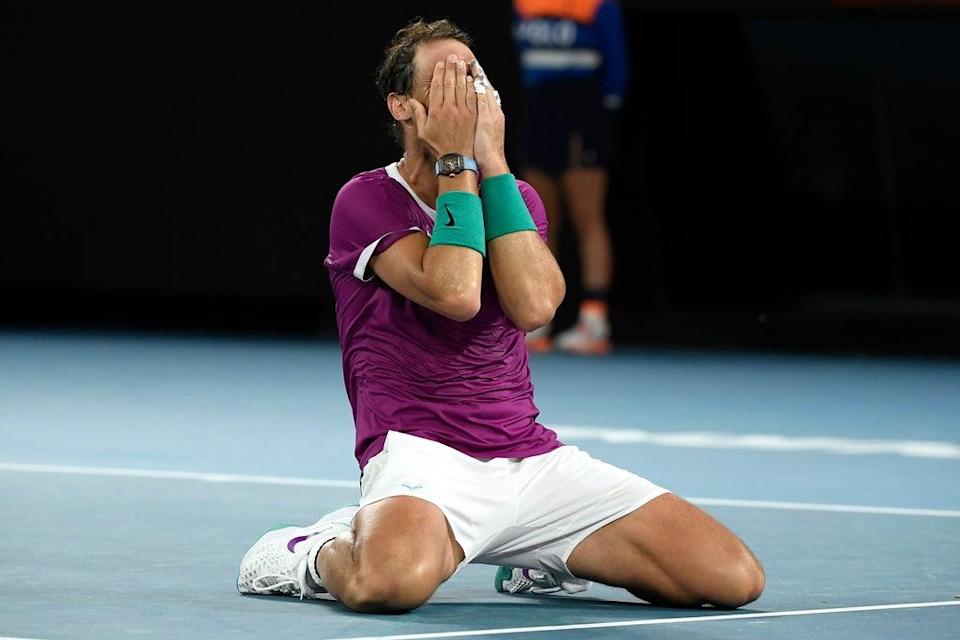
(726, 583)
(401, 550)
(745, 580)
(373, 590)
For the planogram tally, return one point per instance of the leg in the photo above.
(400, 550)
(670, 552)
(585, 192)
(585, 189)
(549, 189)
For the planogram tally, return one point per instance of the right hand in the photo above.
(490, 134)
(450, 124)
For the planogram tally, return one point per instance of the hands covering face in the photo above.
(462, 119)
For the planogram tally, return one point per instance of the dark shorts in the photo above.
(566, 125)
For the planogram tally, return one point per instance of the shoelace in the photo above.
(519, 585)
(543, 582)
(282, 584)
(535, 581)
(286, 584)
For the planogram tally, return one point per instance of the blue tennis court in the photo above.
(136, 470)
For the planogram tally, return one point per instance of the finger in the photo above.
(473, 67)
(492, 91)
(436, 85)
(461, 86)
(471, 95)
(494, 100)
(450, 80)
(483, 105)
(419, 115)
(480, 78)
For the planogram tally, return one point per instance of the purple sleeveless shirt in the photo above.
(463, 384)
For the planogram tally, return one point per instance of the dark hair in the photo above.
(395, 74)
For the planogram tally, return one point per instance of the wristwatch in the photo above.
(450, 164)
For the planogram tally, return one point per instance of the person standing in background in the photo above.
(573, 59)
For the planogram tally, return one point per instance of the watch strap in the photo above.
(468, 163)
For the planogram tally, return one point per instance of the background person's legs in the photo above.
(400, 550)
(585, 189)
(585, 192)
(669, 552)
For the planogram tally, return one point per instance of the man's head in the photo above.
(408, 66)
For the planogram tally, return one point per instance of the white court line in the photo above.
(836, 508)
(762, 442)
(647, 622)
(178, 475)
(226, 478)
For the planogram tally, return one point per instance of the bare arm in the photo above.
(529, 282)
(443, 278)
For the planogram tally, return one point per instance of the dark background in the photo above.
(788, 178)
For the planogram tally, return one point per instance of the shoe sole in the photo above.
(596, 349)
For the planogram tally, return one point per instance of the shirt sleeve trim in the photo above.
(361, 267)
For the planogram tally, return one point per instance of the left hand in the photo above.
(491, 128)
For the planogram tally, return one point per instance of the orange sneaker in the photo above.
(591, 335)
(538, 340)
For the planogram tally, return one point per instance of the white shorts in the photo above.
(529, 512)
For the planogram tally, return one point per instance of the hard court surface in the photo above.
(135, 471)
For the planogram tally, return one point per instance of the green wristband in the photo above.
(504, 210)
(459, 221)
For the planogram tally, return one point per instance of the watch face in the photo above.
(451, 163)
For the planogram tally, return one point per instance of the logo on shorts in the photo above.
(450, 220)
(412, 487)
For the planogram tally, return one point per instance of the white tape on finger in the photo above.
(481, 83)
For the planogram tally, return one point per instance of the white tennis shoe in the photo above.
(517, 580)
(277, 564)
(589, 337)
